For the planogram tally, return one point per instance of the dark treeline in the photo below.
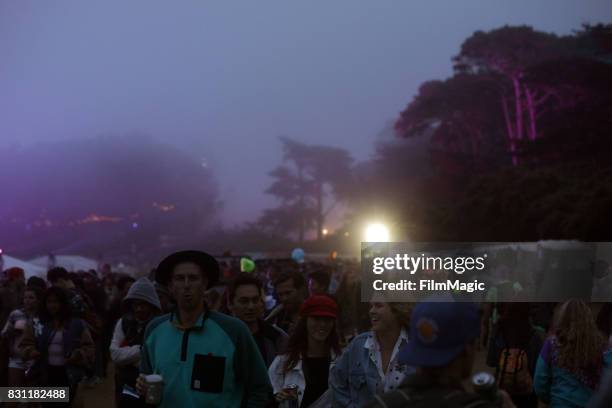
(514, 146)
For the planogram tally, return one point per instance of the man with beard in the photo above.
(206, 359)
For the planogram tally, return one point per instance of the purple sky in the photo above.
(223, 79)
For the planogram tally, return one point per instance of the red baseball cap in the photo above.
(14, 273)
(319, 305)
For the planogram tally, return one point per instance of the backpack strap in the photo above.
(500, 371)
(519, 364)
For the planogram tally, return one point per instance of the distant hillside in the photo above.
(109, 191)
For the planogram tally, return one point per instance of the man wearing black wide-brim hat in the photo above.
(206, 359)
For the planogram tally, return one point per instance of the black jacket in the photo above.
(419, 391)
(271, 341)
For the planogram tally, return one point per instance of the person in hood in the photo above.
(141, 304)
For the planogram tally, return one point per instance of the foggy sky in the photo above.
(223, 79)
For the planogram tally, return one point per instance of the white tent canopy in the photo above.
(559, 245)
(29, 268)
(70, 262)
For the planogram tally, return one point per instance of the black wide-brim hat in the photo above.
(207, 262)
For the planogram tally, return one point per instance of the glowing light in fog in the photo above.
(377, 233)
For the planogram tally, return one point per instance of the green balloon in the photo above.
(247, 265)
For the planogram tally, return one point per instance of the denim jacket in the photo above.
(355, 379)
(295, 375)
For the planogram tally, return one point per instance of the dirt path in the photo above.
(99, 396)
(102, 395)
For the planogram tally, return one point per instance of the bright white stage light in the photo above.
(377, 233)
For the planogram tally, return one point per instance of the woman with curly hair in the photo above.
(573, 359)
(370, 364)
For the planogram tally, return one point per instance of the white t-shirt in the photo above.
(56, 350)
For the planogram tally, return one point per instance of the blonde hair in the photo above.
(580, 342)
(402, 312)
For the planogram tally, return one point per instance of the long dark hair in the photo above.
(297, 345)
(65, 312)
(39, 295)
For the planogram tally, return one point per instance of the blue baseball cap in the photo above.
(439, 331)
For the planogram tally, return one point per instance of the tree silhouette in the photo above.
(532, 100)
(509, 52)
(309, 183)
(461, 114)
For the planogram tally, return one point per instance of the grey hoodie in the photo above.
(144, 290)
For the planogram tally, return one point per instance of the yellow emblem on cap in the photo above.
(427, 330)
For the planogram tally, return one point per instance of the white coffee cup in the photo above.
(155, 385)
(20, 324)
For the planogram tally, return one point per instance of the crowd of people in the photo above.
(290, 334)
